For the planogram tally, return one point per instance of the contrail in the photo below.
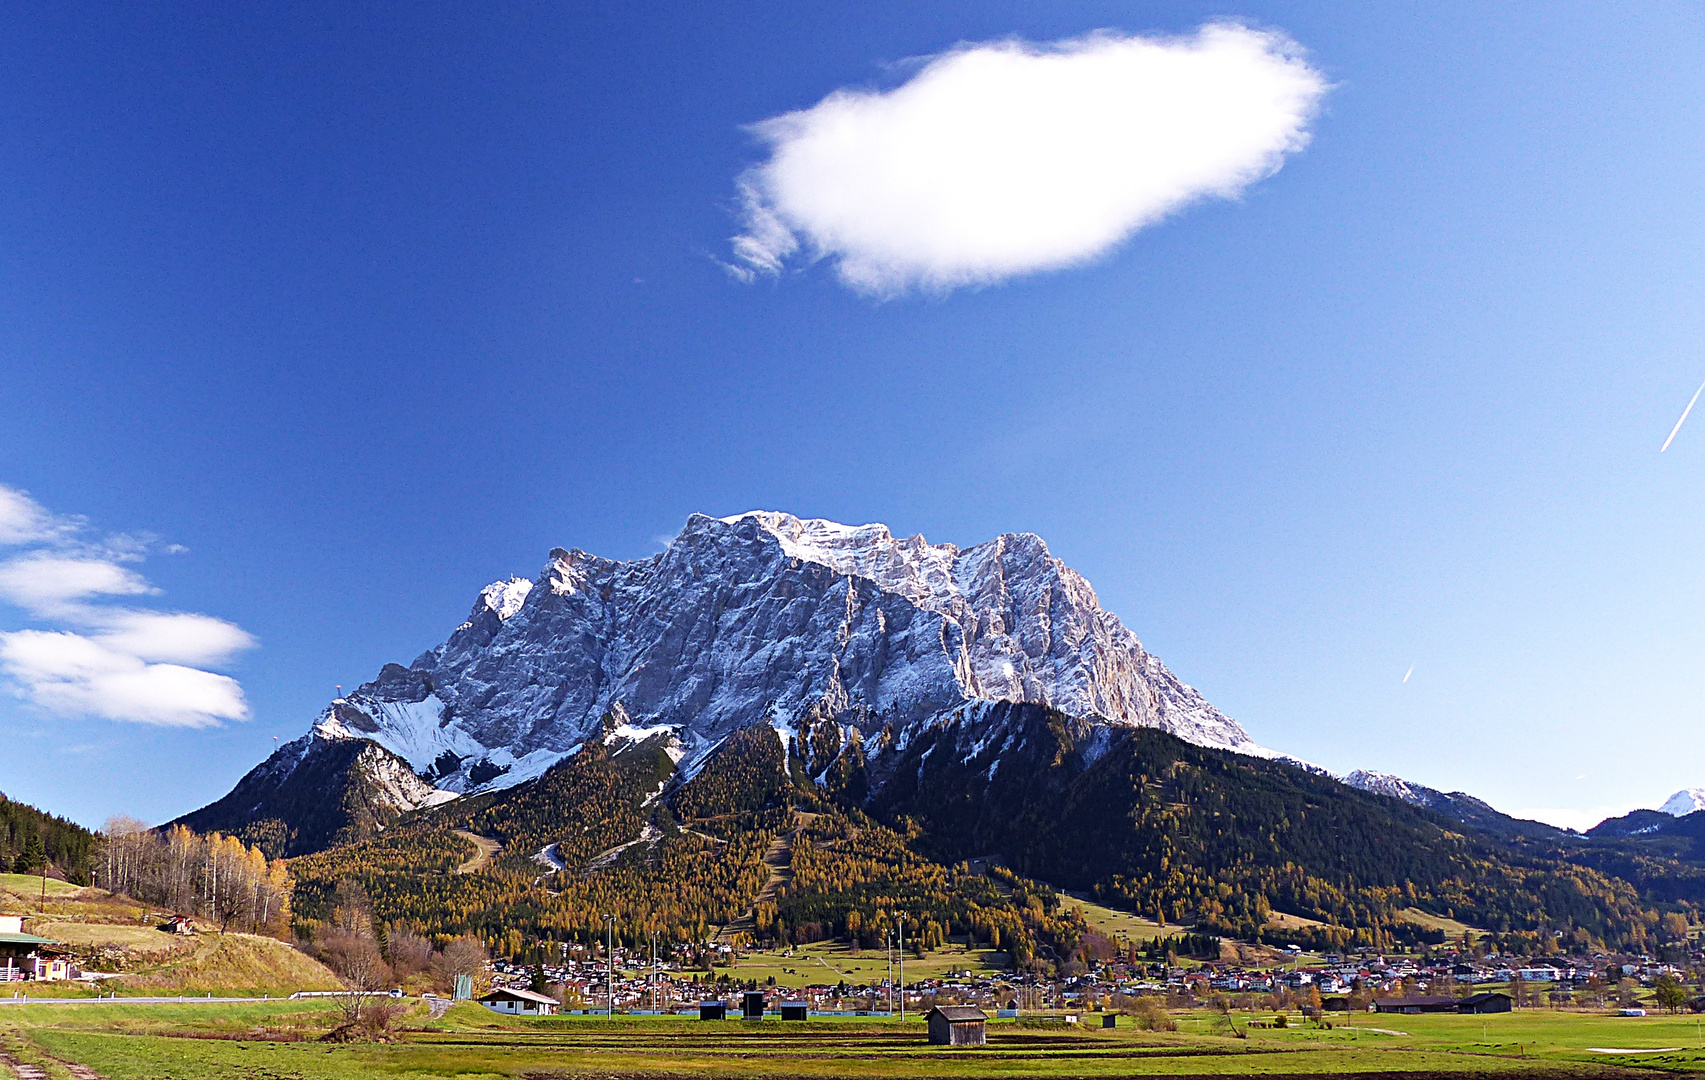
(1411, 670)
(1683, 419)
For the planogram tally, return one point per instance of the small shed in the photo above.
(1110, 1020)
(1419, 1004)
(713, 1010)
(512, 1002)
(795, 1010)
(752, 1005)
(957, 1025)
(1492, 1002)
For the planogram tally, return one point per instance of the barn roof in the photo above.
(521, 995)
(958, 1014)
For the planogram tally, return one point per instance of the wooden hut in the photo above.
(957, 1025)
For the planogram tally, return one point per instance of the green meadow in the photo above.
(280, 1040)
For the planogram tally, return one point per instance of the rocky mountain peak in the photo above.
(762, 618)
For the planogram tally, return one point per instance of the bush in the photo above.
(1151, 1017)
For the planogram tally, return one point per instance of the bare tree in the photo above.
(410, 954)
(353, 957)
(352, 908)
(464, 956)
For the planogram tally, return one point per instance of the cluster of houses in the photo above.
(1401, 984)
(948, 1025)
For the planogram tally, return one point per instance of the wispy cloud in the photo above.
(95, 657)
(25, 521)
(1009, 157)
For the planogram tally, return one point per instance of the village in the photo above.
(1312, 986)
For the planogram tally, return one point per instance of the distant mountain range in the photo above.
(1469, 810)
(1457, 805)
(911, 705)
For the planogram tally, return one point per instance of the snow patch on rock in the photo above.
(764, 618)
(1684, 802)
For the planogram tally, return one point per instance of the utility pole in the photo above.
(902, 967)
(888, 951)
(610, 967)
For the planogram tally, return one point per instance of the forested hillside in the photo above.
(1190, 835)
(31, 840)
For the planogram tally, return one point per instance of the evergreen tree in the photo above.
(33, 858)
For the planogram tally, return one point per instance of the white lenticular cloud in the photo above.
(45, 582)
(71, 674)
(1005, 158)
(172, 637)
(99, 658)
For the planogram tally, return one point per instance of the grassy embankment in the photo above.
(119, 934)
(191, 1042)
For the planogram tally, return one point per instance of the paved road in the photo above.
(136, 1000)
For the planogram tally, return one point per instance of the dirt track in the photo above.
(487, 848)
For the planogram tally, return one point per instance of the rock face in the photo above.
(1395, 787)
(762, 618)
(315, 792)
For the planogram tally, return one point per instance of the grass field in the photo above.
(1438, 922)
(198, 1042)
(1110, 923)
(831, 961)
(26, 886)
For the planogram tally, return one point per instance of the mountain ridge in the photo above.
(757, 618)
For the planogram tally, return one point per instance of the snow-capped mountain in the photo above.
(761, 618)
(1684, 802)
(1458, 805)
(1395, 786)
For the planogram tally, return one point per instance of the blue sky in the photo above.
(365, 310)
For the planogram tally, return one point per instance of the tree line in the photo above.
(33, 842)
(214, 877)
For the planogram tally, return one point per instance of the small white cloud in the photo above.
(1009, 157)
(101, 659)
(72, 675)
(46, 582)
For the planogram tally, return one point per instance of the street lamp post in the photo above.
(610, 967)
(902, 955)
